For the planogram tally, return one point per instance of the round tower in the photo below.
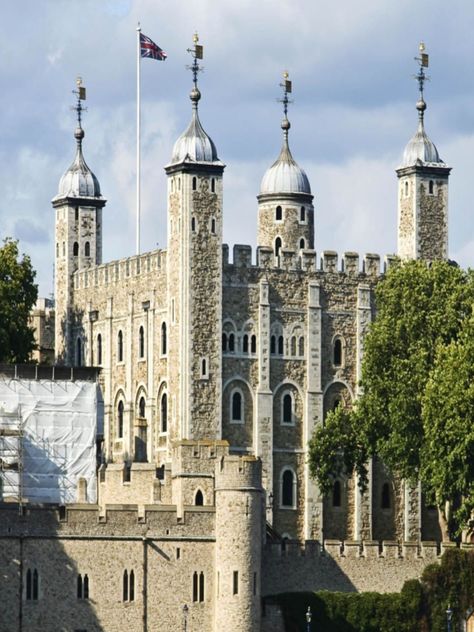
(285, 203)
(78, 207)
(239, 540)
(422, 190)
(194, 268)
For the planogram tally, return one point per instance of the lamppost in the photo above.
(308, 619)
(449, 616)
(185, 615)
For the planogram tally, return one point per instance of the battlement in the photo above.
(141, 483)
(115, 272)
(233, 472)
(197, 456)
(307, 260)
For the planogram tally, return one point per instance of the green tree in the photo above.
(18, 294)
(420, 309)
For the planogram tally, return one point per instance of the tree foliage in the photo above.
(422, 312)
(18, 294)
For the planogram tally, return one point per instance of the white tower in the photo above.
(78, 206)
(194, 264)
(422, 191)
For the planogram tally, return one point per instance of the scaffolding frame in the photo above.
(11, 454)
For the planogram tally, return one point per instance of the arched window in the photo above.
(199, 498)
(163, 338)
(141, 407)
(236, 406)
(193, 224)
(164, 413)
(213, 226)
(302, 214)
(231, 342)
(288, 489)
(194, 183)
(120, 419)
(245, 343)
(337, 352)
(253, 344)
(277, 246)
(273, 344)
(99, 348)
(75, 249)
(336, 494)
(287, 409)
(431, 187)
(406, 188)
(385, 504)
(141, 342)
(302, 244)
(213, 185)
(293, 345)
(79, 352)
(280, 345)
(224, 341)
(301, 346)
(87, 249)
(278, 213)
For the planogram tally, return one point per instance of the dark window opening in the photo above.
(336, 494)
(385, 496)
(235, 583)
(273, 344)
(32, 585)
(76, 213)
(287, 494)
(277, 246)
(337, 403)
(302, 244)
(193, 224)
(141, 408)
(293, 345)
(195, 586)
(236, 407)
(431, 187)
(87, 249)
(120, 419)
(254, 584)
(163, 338)
(278, 213)
(337, 354)
(141, 342)
(75, 249)
(280, 345)
(203, 368)
(132, 586)
(99, 349)
(164, 413)
(213, 226)
(302, 214)
(199, 499)
(253, 344)
(213, 185)
(120, 346)
(245, 344)
(79, 352)
(231, 342)
(201, 586)
(224, 342)
(194, 184)
(287, 409)
(301, 346)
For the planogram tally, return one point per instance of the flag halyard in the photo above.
(149, 49)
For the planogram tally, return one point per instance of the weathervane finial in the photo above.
(423, 61)
(80, 93)
(287, 88)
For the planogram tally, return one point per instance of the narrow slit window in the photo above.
(99, 348)
(231, 342)
(120, 419)
(253, 344)
(141, 342)
(125, 586)
(301, 346)
(213, 185)
(337, 352)
(431, 187)
(273, 344)
(163, 339)
(201, 586)
(224, 342)
(194, 183)
(302, 214)
(213, 226)
(245, 343)
(287, 409)
(164, 413)
(236, 406)
(132, 586)
(75, 249)
(120, 346)
(195, 586)
(79, 352)
(235, 583)
(193, 224)
(280, 345)
(287, 489)
(277, 246)
(302, 244)
(278, 213)
(87, 249)
(293, 345)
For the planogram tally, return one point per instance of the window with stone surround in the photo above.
(280, 345)
(194, 183)
(337, 355)
(32, 585)
(288, 488)
(99, 348)
(301, 346)
(199, 498)
(277, 246)
(231, 343)
(236, 406)
(287, 408)
(141, 343)
(141, 408)
(204, 368)
(75, 249)
(128, 586)
(120, 408)
(87, 249)
(224, 341)
(245, 343)
(120, 346)
(83, 587)
(302, 214)
(293, 345)
(163, 339)
(278, 214)
(302, 244)
(431, 187)
(164, 413)
(198, 586)
(253, 344)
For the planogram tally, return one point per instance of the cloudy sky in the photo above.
(351, 64)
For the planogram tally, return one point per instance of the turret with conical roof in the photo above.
(285, 203)
(78, 206)
(423, 189)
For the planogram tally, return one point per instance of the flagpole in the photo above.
(138, 137)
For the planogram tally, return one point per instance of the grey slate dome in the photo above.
(194, 144)
(420, 149)
(285, 175)
(78, 181)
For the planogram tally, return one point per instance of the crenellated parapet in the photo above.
(329, 262)
(116, 272)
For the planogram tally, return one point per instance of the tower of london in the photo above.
(215, 367)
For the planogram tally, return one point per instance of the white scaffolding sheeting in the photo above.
(57, 424)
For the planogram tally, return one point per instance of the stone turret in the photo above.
(239, 540)
(422, 191)
(194, 279)
(78, 207)
(285, 203)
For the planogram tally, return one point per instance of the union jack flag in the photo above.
(149, 49)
